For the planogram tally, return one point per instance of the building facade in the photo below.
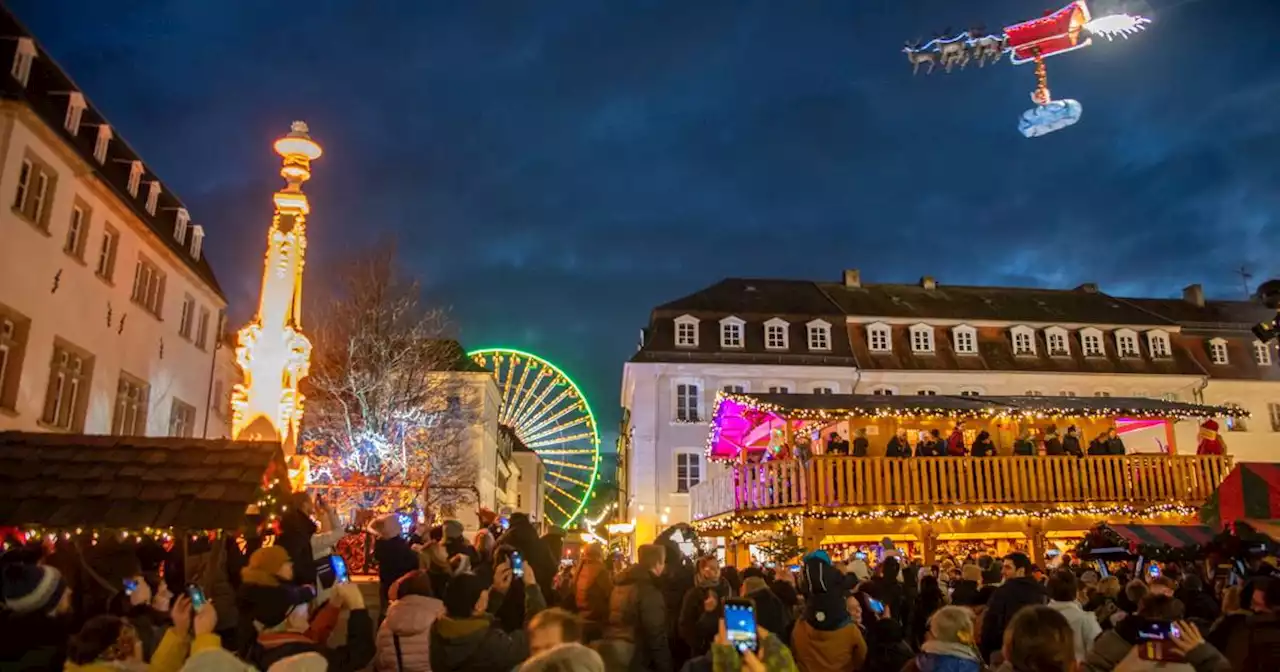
(110, 314)
(929, 339)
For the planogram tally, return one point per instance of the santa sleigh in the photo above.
(1050, 35)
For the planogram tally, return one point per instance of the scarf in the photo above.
(954, 649)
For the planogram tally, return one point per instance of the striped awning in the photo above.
(1172, 536)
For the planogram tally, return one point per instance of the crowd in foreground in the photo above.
(502, 602)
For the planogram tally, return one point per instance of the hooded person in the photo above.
(296, 531)
(34, 608)
(771, 613)
(287, 636)
(404, 638)
(826, 638)
(523, 537)
(965, 593)
(393, 554)
(468, 638)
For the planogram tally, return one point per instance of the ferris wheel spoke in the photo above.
(562, 491)
(568, 465)
(542, 431)
(531, 419)
(537, 400)
(565, 477)
(567, 451)
(527, 395)
(508, 403)
(561, 508)
(559, 440)
(510, 376)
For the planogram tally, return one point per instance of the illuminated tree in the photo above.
(390, 403)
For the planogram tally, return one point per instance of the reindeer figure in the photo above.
(984, 48)
(951, 50)
(916, 57)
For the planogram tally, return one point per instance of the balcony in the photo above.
(924, 485)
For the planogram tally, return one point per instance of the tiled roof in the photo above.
(46, 94)
(70, 480)
(745, 297)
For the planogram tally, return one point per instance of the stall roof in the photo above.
(74, 480)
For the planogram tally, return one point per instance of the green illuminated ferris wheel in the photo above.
(547, 410)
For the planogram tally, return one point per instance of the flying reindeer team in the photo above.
(958, 50)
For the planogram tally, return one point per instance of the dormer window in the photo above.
(686, 331)
(180, 222)
(100, 145)
(153, 197)
(731, 332)
(1218, 351)
(921, 338)
(1262, 353)
(22, 60)
(1024, 341)
(1056, 339)
(775, 334)
(1091, 342)
(878, 339)
(966, 339)
(75, 110)
(197, 241)
(819, 335)
(135, 178)
(1158, 344)
(1127, 343)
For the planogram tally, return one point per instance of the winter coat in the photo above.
(637, 629)
(1115, 446)
(965, 594)
(1024, 447)
(477, 644)
(1111, 648)
(1053, 445)
(591, 589)
(1098, 448)
(937, 656)
(698, 626)
(771, 613)
(1071, 445)
(984, 447)
(1005, 602)
(296, 530)
(897, 447)
(888, 590)
(395, 559)
(860, 446)
(773, 653)
(274, 647)
(522, 537)
(821, 650)
(955, 444)
(408, 618)
(887, 647)
(33, 641)
(1255, 645)
(1084, 625)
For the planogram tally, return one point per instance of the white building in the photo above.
(110, 314)
(930, 339)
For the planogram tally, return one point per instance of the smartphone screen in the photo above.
(197, 597)
(129, 586)
(740, 624)
(1153, 570)
(517, 564)
(860, 555)
(876, 605)
(339, 565)
(1155, 640)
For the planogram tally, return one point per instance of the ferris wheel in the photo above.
(545, 408)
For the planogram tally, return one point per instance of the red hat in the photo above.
(1210, 424)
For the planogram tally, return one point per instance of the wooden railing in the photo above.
(942, 481)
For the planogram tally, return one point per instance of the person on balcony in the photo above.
(983, 446)
(1098, 446)
(1024, 445)
(899, 445)
(837, 445)
(955, 442)
(1071, 442)
(1115, 446)
(1052, 444)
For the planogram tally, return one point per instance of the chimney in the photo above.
(928, 282)
(852, 278)
(1194, 295)
(1088, 288)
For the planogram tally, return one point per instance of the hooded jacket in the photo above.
(820, 650)
(296, 530)
(1015, 594)
(408, 618)
(637, 629)
(477, 644)
(698, 626)
(1084, 625)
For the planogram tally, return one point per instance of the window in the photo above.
(1127, 343)
(878, 338)
(131, 407)
(1158, 343)
(197, 241)
(1033, 393)
(13, 344)
(819, 335)
(215, 404)
(1024, 341)
(180, 221)
(1262, 353)
(1091, 342)
(35, 192)
(823, 390)
(188, 317)
(1218, 351)
(66, 399)
(688, 471)
(970, 393)
(731, 332)
(106, 267)
(1067, 393)
(22, 59)
(75, 110)
(927, 393)
(182, 419)
(779, 389)
(148, 286)
(1170, 396)
(882, 392)
(135, 178)
(775, 334)
(1236, 424)
(966, 340)
(153, 197)
(1273, 410)
(686, 332)
(202, 328)
(735, 389)
(101, 143)
(1101, 393)
(687, 403)
(1056, 337)
(921, 338)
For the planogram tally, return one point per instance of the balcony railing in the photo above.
(829, 482)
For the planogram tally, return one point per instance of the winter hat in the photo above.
(461, 595)
(310, 661)
(264, 566)
(753, 584)
(216, 659)
(827, 611)
(32, 589)
(572, 656)
(452, 529)
(1210, 424)
(820, 575)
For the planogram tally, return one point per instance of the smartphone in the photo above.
(860, 555)
(1155, 640)
(197, 597)
(130, 585)
(1153, 570)
(740, 624)
(517, 564)
(876, 605)
(339, 566)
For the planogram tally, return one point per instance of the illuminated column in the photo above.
(273, 353)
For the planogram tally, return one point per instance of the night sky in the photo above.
(553, 170)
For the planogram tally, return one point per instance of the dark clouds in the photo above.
(555, 170)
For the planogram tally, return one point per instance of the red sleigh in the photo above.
(1056, 33)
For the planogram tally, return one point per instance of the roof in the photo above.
(63, 480)
(1212, 316)
(756, 296)
(46, 95)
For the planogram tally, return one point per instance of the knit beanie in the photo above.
(264, 565)
(461, 595)
(452, 529)
(270, 605)
(216, 659)
(753, 584)
(32, 589)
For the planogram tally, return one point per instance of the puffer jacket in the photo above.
(591, 589)
(636, 637)
(477, 644)
(410, 619)
(818, 650)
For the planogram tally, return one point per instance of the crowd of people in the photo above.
(931, 443)
(503, 601)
